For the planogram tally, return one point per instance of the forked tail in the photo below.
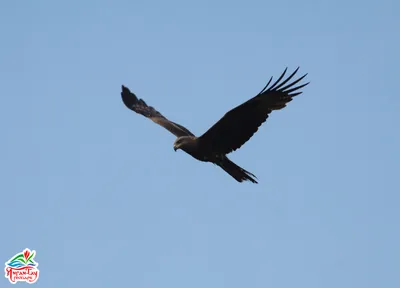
(236, 172)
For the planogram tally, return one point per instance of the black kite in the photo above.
(234, 129)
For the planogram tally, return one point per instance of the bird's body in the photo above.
(234, 129)
(197, 149)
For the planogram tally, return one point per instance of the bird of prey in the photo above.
(234, 129)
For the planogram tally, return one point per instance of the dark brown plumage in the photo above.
(234, 129)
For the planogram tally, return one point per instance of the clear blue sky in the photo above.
(100, 194)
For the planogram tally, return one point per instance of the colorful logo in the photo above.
(22, 267)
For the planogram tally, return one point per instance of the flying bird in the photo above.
(234, 129)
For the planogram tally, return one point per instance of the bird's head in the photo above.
(183, 143)
(179, 142)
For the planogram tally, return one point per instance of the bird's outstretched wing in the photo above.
(238, 125)
(139, 106)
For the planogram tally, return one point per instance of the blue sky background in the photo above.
(102, 197)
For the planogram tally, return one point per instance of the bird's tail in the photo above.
(236, 172)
